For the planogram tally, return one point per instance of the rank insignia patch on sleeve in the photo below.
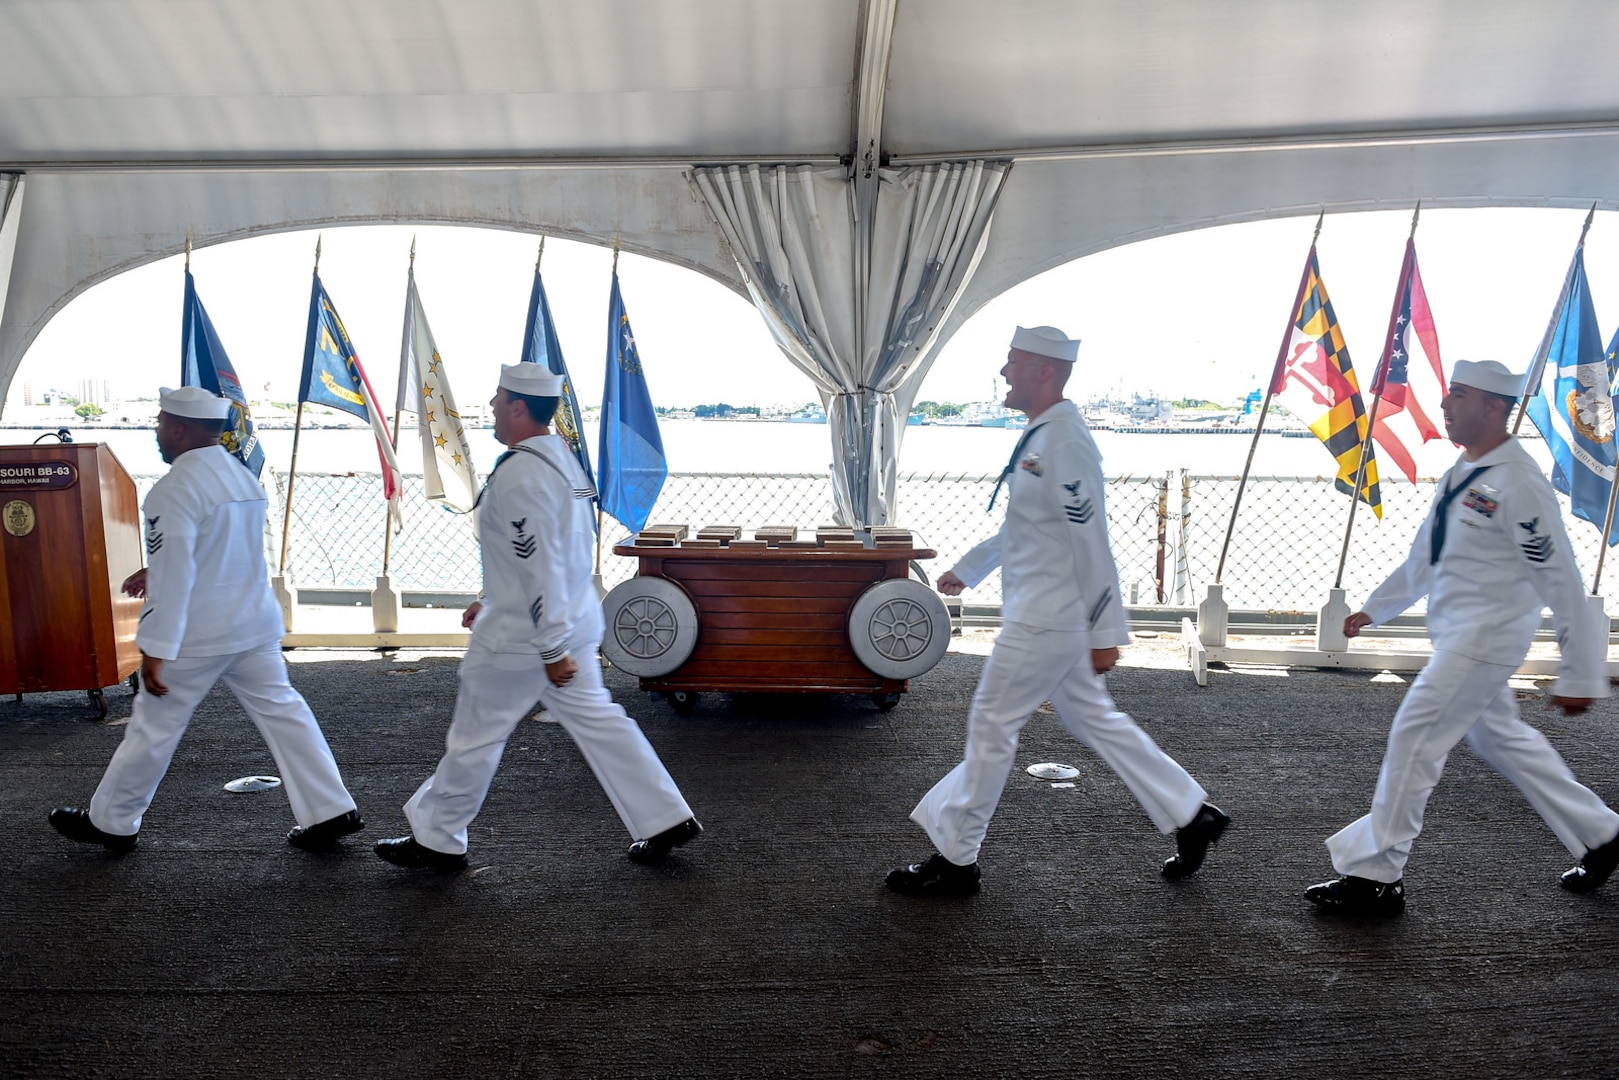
(154, 539)
(1079, 511)
(523, 544)
(1537, 548)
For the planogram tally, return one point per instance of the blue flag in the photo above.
(633, 467)
(203, 363)
(1573, 404)
(540, 346)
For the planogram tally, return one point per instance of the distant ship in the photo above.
(811, 414)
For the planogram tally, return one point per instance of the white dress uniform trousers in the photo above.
(1060, 600)
(210, 615)
(535, 533)
(1503, 556)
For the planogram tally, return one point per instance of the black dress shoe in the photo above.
(1358, 896)
(655, 849)
(405, 851)
(935, 876)
(74, 824)
(322, 835)
(1193, 840)
(1597, 866)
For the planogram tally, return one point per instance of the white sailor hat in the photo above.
(1487, 375)
(193, 403)
(1046, 341)
(530, 380)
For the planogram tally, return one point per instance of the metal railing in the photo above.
(1166, 531)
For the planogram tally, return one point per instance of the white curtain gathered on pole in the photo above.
(11, 185)
(857, 304)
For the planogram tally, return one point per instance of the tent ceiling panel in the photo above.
(970, 76)
(139, 79)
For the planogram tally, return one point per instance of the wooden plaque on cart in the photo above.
(70, 532)
(774, 619)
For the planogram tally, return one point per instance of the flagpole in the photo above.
(581, 422)
(1270, 392)
(1607, 530)
(1378, 377)
(292, 471)
(399, 412)
(1537, 367)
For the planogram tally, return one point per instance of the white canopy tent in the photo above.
(1085, 123)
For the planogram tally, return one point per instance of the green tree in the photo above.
(87, 410)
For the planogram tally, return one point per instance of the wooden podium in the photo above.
(70, 533)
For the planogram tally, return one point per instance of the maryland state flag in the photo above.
(1316, 382)
(333, 376)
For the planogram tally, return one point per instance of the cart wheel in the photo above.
(651, 627)
(899, 628)
(99, 700)
(684, 701)
(885, 702)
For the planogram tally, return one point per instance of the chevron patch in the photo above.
(1537, 548)
(154, 539)
(523, 544)
(1080, 513)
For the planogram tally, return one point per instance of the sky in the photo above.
(1198, 314)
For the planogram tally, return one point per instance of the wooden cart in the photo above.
(838, 619)
(70, 533)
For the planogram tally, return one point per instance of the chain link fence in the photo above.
(1166, 531)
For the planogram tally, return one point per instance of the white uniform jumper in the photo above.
(535, 532)
(210, 615)
(1060, 600)
(1502, 556)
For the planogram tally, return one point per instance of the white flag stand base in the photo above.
(286, 594)
(1329, 623)
(385, 605)
(1212, 617)
(1600, 623)
(1333, 651)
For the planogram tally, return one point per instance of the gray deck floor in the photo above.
(768, 946)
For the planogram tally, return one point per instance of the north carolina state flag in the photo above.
(1410, 380)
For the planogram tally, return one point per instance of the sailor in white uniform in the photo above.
(534, 638)
(209, 615)
(1062, 623)
(1491, 555)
